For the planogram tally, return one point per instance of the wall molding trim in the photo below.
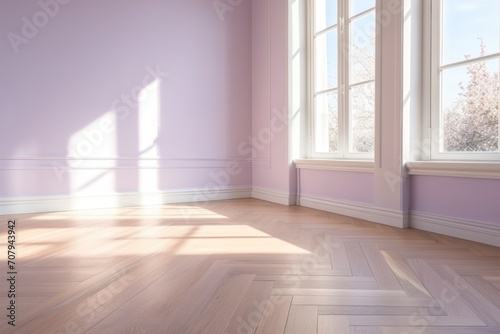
(273, 196)
(356, 210)
(114, 163)
(464, 229)
(475, 170)
(69, 203)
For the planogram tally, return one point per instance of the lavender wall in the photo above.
(71, 75)
(272, 169)
(345, 186)
(468, 199)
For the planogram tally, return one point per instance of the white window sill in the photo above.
(476, 170)
(336, 165)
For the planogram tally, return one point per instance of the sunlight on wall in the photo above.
(89, 151)
(149, 123)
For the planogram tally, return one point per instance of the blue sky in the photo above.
(465, 21)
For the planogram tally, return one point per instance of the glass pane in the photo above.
(470, 29)
(470, 106)
(326, 14)
(359, 6)
(326, 54)
(362, 121)
(326, 125)
(362, 56)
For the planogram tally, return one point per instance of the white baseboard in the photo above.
(454, 227)
(357, 210)
(274, 196)
(66, 203)
(464, 229)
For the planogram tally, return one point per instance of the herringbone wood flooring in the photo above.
(244, 266)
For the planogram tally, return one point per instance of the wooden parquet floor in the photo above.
(243, 266)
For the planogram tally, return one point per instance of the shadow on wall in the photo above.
(107, 87)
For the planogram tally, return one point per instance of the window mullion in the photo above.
(469, 61)
(340, 67)
(311, 44)
(344, 65)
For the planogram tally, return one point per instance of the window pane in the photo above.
(362, 57)
(326, 54)
(363, 118)
(359, 6)
(468, 27)
(470, 103)
(326, 127)
(326, 14)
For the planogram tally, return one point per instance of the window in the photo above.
(465, 86)
(342, 78)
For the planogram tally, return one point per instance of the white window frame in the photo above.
(433, 9)
(343, 88)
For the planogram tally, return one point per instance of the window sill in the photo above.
(336, 165)
(475, 170)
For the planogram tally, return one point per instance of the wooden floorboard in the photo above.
(243, 266)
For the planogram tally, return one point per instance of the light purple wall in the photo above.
(468, 199)
(344, 186)
(270, 94)
(90, 53)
